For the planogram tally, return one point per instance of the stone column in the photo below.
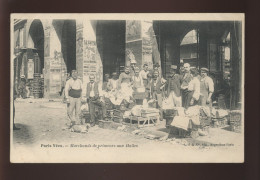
(88, 59)
(141, 43)
(53, 62)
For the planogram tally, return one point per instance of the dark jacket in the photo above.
(174, 84)
(156, 88)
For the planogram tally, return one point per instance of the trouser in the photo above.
(159, 99)
(93, 103)
(190, 94)
(203, 101)
(74, 105)
(176, 100)
(185, 100)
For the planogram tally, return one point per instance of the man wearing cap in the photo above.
(174, 86)
(95, 99)
(186, 78)
(206, 88)
(112, 83)
(73, 93)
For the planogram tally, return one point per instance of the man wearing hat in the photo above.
(174, 86)
(206, 88)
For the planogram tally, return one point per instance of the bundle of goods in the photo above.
(235, 120)
(219, 117)
(137, 110)
(143, 115)
(117, 96)
(190, 121)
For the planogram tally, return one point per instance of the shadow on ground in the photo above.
(23, 136)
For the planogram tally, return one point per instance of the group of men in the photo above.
(185, 89)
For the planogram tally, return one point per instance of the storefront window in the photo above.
(188, 49)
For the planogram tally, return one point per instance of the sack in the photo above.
(75, 93)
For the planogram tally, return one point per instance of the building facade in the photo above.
(55, 47)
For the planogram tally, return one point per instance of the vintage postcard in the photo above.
(127, 88)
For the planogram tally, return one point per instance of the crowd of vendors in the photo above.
(186, 87)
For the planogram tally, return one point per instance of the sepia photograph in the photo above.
(127, 88)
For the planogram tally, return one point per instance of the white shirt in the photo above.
(194, 85)
(72, 84)
(143, 74)
(92, 93)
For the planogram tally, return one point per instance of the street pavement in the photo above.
(43, 122)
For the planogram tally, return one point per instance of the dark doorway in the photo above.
(68, 44)
(111, 45)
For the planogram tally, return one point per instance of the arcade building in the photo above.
(52, 48)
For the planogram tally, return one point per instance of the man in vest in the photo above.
(157, 86)
(95, 99)
(174, 87)
(186, 78)
(73, 93)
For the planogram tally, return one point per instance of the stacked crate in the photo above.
(37, 90)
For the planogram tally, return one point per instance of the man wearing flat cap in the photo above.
(206, 88)
(174, 87)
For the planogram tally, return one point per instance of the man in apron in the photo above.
(206, 88)
(73, 93)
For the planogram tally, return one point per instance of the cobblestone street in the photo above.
(42, 131)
